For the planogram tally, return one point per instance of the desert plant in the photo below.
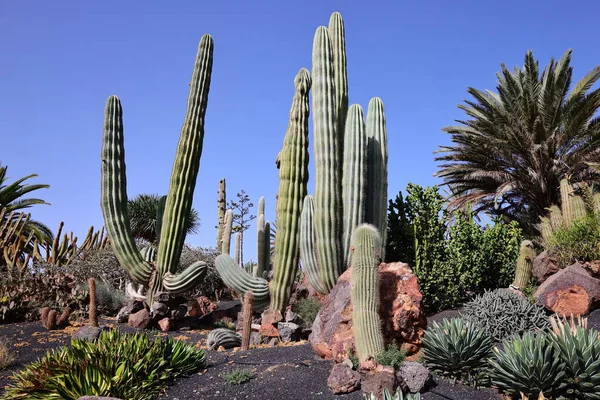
(225, 338)
(159, 276)
(578, 242)
(247, 318)
(398, 395)
(502, 313)
(116, 364)
(529, 365)
(524, 265)
(392, 356)
(457, 348)
(238, 376)
(93, 310)
(7, 356)
(308, 309)
(579, 349)
(538, 133)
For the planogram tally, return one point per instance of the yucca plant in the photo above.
(579, 349)
(399, 395)
(529, 366)
(116, 364)
(457, 348)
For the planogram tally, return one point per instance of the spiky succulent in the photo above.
(529, 365)
(502, 313)
(399, 395)
(457, 348)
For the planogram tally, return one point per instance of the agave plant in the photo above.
(457, 348)
(579, 349)
(399, 395)
(529, 366)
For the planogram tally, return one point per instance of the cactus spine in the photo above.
(293, 178)
(366, 242)
(524, 265)
(247, 320)
(221, 207)
(93, 313)
(161, 276)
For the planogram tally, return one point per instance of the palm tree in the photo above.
(508, 158)
(11, 199)
(145, 216)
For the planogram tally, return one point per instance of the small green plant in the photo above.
(399, 395)
(577, 242)
(116, 364)
(529, 365)
(224, 325)
(457, 348)
(6, 355)
(503, 313)
(392, 356)
(238, 376)
(308, 309)
(353, 358)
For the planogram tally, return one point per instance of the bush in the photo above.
(392, 356)
(6, 355)
(578, 242)
(529, 365)
(238, 376)
(109, 300)
(308, 309)
(502, 313)
(116, 364)
(457, 348)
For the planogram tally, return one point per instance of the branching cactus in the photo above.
(241, 281)
(345, 195)
(159, 276)
(524, 265)
(293, 178)
(366, 243)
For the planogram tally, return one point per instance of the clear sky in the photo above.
(60, 60)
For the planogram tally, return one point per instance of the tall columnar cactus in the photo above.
(226, 236)
(262, 240)
(366, 242)
(93, 312)
(566, 191)
(247, 320)
(237, 248)
(293, 178)
(161, 276)
(308, 254)
(377, 199)
(221, 207)
(524, 265)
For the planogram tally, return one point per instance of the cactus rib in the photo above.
(187, 279)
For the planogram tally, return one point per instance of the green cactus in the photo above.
(226, 236)
(308, 255)
(524, 265)
(161, 276)
(366, 242)
(262, 240)
(241, 281)
(223, 337)
(293, 178)
(376, 213)
(566, 191)
(556, 218)
(237, 248)
(221, 207)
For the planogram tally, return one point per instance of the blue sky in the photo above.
(62, 59)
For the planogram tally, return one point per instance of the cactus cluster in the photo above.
(223, 337)
(159, 276)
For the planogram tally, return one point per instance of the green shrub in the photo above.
(109, 300)
(353, 358)
(579, 349)
(238, 376)
(457, 348)
(308, 309)
(578, 242)
(392, 356)
(502, 313)
(116, 364)
(528, 365)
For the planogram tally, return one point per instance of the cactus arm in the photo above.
(260, 243)
(187, 279)
(328, 183)
(338, 46)
(239, 280)
(376, 212)
(186, 165)
(114, 195)
(293, 178)
(365, 292)
(308, 254)
(227, 228)
(354, 181)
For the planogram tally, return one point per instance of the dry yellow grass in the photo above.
(6, 355)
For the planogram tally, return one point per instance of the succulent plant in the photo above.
(528, 365)
(221, 207)
(366, 244)
(502, 313)
(457, 348)
(247, 319)
(159, 276)
(398, 395)
(241, 281)
(524, 265)
(223, 337)
(579, 349)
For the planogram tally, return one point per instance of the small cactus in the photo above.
(223, 337)
(93, 313)
(366, 242)
(247, 320)
(524, 265)
(221, 207)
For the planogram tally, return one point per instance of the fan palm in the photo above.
(509, 157)
(11, 199)
(145, 216)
